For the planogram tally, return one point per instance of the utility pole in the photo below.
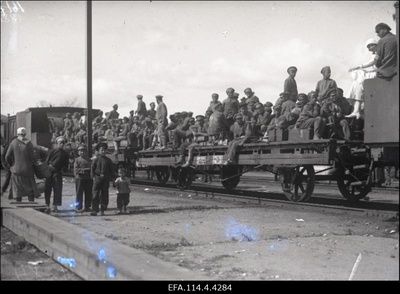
(89, 118)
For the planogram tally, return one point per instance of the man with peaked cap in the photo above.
(335, 116)
(251, 98)
(325, 85)
(241, 132)
(282, 98)
(83, 181)
(152, 111)
(386, 51)
(230, 106)
(290, 85)
(162, 122)
(102, 172)
(310, 117)
(245, 112)
(262, 118)
(113, 114)
(19, 158)
(57, 160)
(214, 101)
(141, 108)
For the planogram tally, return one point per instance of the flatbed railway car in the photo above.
(352, 162)
(292, 161)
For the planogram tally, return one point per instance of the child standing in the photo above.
(122, 185)
(83, 181)
(102, 172)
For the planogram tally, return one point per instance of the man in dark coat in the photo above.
(290, 85)
(58, 160)
(20, 157)
(102, 172)
(386, 52)
(141, 108)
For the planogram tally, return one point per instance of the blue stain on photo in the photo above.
(102, 254)
(111, 272)
(68, 261)
(241, 232)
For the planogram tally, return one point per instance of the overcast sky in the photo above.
(182, 50)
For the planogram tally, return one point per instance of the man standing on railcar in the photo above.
(141, 107)
(290, 85)
(162, 121)
(230, 106)
(213, 102)
(386, 51)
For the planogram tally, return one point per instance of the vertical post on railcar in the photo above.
(89, 118)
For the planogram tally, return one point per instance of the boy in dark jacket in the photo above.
(58, 160)
(83, 181)
(102, 172)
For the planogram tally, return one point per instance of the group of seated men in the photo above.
(231, 120)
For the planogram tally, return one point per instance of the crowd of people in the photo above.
(232, 121)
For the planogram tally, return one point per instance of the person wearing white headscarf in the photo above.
(20, 157)
(359, 74)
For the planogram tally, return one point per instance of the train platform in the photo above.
(69, 245)
(196, 239)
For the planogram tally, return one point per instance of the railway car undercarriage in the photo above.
(347, 163)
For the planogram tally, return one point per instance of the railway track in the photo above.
(318, 202)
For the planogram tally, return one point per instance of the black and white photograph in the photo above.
(199, 146)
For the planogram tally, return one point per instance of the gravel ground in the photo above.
(21, 261)
(236, 241)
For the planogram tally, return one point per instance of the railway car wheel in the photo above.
(353, 184)
(297, 183)
(228, 173)
(162, 174)
(185, 178)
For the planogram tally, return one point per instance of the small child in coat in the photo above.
(122, 184)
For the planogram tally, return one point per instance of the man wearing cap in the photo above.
(310, 117)
(182, 131)
(214, 101)
(282, 98)
(241, 132)
(386, 51)
(152, 111)
(162, 121)
(123, 135)
(83, 181)
(262, 118)
(20, 157)
(68, 126)
(290, 85)
(199, 133)
(245, 112)
(141, 108)
(335, 116)
(57, 160)
(325, 85)
(251, 98)
(230, 106)
(102, 172)
(113, 114)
